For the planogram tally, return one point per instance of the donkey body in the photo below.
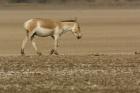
(48, 27)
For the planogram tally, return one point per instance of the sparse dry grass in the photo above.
(70, 74)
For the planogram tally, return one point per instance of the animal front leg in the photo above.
(54, 51)
(35, 47)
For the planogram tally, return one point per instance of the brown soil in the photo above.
(70, 74)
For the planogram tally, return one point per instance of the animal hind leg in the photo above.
(23, 45)
(53, 51)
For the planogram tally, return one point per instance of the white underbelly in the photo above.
(43, 32)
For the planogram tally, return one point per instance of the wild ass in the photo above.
(48, 27)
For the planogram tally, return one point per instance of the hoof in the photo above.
(53, 51)
(22, 54)
(39, 53)
(56, 53)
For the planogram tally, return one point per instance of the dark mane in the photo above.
(68, 21)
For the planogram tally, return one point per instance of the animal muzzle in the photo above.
(79, 37)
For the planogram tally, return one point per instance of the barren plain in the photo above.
(103, 61)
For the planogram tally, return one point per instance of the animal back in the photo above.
(47, 23)
(31, 24)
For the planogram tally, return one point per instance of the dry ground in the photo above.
(70, 74)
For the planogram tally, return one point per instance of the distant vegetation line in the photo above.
(72, 1)
(78, 2)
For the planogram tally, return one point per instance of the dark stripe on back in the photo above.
(67, 21)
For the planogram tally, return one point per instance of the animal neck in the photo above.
(67, 26)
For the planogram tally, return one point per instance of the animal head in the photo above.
(73, 26)
(76, 30)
